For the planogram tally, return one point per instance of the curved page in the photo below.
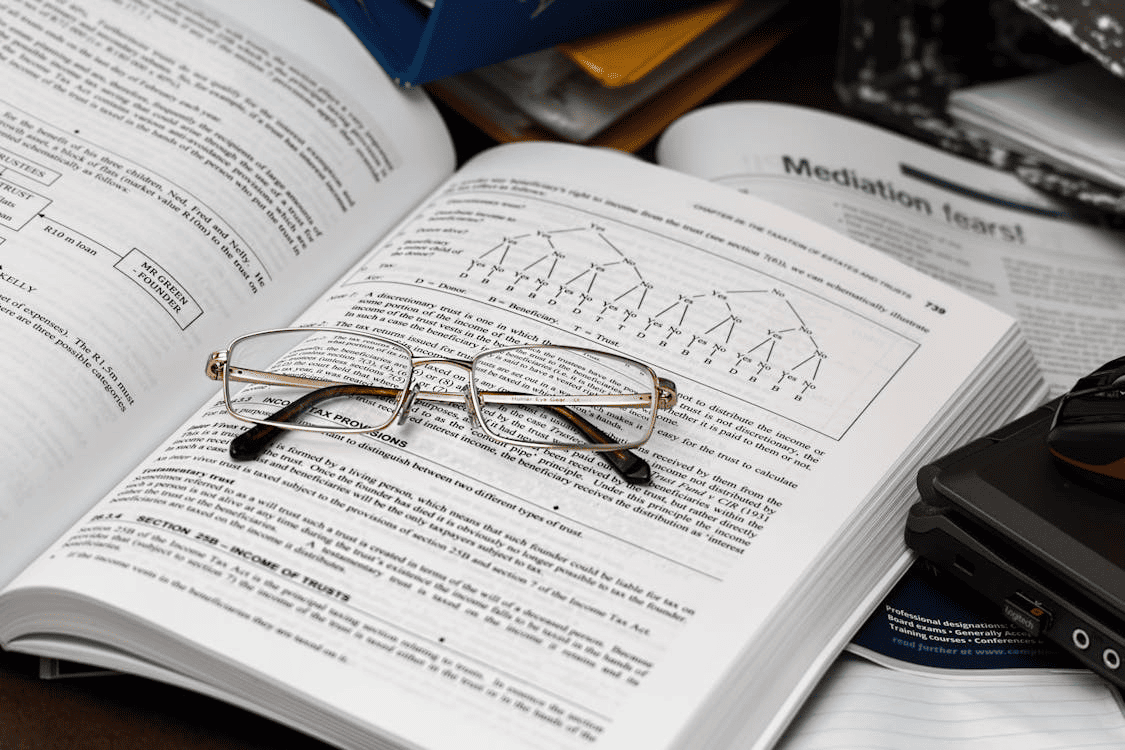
(167, 174)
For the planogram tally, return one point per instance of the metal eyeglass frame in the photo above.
(250, 444)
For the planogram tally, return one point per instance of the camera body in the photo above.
(1009, 519)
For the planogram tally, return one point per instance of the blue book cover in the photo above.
(932, 622)
(416, 44)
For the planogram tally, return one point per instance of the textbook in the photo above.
(975, 227)
(178, 178)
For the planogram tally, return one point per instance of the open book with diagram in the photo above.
(979, 229)
(174, 181)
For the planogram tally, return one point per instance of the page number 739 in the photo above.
(935, 307)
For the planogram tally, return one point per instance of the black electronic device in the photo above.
(1088, 432)
(1000, 516)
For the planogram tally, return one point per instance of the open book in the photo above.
(173, 180)
(981, 230)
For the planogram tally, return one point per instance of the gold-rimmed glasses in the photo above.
(322, 379)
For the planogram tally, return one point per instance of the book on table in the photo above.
(178, 178)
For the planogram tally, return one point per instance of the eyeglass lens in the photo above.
(349, 381)
(312, 361)
(566, 376)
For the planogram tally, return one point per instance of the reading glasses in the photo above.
(338, 380)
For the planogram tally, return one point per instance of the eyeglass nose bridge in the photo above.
(415, 391)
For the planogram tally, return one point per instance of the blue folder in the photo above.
(416, 44)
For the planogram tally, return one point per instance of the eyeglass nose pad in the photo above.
(406, 404)
(472, 416)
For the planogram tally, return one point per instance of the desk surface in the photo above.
(125, 712)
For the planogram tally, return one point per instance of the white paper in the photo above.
(860, 704)
(976, 228)
(166, 178)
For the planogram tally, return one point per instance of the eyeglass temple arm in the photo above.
(628, 465)
(252, 443)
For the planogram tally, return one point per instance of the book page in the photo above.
(976, 228)
(166, 174)
(530, 596)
